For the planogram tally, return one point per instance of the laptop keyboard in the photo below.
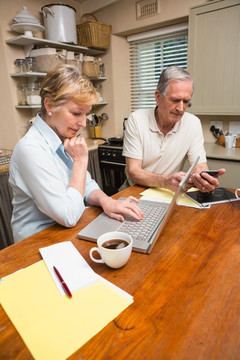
(144, 229)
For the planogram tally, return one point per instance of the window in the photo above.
(148, 58)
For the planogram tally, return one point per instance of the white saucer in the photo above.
(27, 29)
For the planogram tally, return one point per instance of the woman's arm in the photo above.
(77, 149)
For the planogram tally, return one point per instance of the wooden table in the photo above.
(186, 292)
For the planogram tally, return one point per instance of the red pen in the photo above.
(64, 285)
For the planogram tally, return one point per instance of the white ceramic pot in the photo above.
(60, 23)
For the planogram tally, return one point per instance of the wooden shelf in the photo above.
(43, 74)
(26, 41)
(29, 74)
(39, 106)
(29, 42)
(101, 103)
(28, 106)
(97, 78)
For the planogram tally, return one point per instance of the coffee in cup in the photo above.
(115, 244)
(114, 249)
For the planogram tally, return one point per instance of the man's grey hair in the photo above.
(169, 74)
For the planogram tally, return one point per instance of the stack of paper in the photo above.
(55, 326)
(165, 195)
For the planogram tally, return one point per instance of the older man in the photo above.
(157, 141)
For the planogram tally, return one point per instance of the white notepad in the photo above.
(73, 267)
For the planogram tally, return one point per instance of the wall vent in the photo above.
(146, 8)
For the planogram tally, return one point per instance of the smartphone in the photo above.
(209, 172)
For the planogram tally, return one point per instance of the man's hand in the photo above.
(172, 181)
(206, 182)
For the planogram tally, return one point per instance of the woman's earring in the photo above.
(50, 113)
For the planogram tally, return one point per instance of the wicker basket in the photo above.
(93, 34)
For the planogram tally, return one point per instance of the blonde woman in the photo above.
(48, 170)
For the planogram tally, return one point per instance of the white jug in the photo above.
(60, 23)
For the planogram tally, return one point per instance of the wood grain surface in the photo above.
(186, 292)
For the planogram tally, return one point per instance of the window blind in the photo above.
(148, 58)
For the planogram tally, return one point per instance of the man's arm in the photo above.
(145, 178)
(171, 182)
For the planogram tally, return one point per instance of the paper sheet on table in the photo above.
(166, 195)
(73, 268)
(54, 326)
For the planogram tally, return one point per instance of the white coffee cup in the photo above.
(236, 193)
(229, 139)
(113, 257)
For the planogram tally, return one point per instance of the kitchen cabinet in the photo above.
(94, 167)
(214, 57)
(29, 42)
(6, 237)
(231, 178)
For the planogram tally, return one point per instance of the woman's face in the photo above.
(67, 119)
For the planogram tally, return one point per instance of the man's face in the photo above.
(172, 106)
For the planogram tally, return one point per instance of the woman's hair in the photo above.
(65, 83)
(169, 74)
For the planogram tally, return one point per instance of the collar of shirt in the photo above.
(153, 124)
(52, 140)
(49, 135)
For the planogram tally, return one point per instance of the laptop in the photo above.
(145, 232)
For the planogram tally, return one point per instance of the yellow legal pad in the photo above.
(166, 195)
(54, 326)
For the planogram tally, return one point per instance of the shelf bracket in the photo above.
(27, 49)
